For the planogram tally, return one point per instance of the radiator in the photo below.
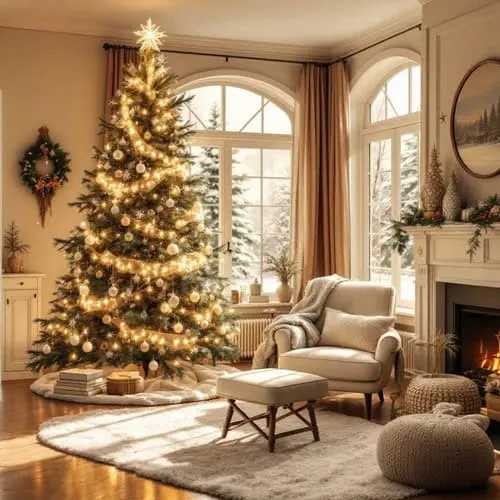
(250, 335)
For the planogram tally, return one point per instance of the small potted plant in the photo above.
(15, 249)
(285, 268)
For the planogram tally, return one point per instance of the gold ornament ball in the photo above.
(78, 256)
(175, 190)
(165, 308)
(172, 249)
(119, 174)
(115, 210)
(87, 346)
(129, 236)
(153, 365)
(217, 309)
(74, 339)
(194, 297)
(118, 154)
(173, 301)
(144, 347)
(125, 221)
(99, 274)
(113, 291)
(151, 212)
(140, 168)
(106, 319)
(200, 227)
(46, 349)
(159, 282)
(77, 271)
(89, 240)
(178, 327)
(208, 250)
(159, 209)
(147, 135)
(84, 290)
(204, 324)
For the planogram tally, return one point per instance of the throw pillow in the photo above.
(342, 329)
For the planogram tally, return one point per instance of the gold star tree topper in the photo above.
(150, 36)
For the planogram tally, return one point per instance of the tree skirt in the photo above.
(196, 384)
(182, 446)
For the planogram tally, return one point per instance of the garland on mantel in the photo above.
(485, 214)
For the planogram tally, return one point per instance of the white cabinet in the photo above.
(21, 305)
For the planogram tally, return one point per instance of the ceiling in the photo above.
(333, 25)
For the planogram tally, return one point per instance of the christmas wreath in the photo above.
(44, 185)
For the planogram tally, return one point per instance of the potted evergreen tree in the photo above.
(15, 249)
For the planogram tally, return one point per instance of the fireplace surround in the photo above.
(441, 263)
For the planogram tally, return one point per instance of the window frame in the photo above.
(226, 141)
(391, 128)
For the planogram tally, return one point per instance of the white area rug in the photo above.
(196, 384)
(181, 446)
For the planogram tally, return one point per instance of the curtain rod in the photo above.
(108, 46)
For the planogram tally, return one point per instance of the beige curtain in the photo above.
(116, 59)
(321, 239)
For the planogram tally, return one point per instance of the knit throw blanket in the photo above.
(300, 322)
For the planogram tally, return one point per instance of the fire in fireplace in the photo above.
(490, 362)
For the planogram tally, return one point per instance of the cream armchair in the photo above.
(348, 369)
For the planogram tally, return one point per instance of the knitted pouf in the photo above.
(436, 451)
(425, 391)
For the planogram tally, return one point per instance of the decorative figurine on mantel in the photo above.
(451, 200)
(433, 189)
(15, 249)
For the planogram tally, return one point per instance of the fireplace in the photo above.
(473, 315)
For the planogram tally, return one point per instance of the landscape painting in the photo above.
(475, 125)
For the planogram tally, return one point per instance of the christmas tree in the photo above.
(244, 243)
(141, 287)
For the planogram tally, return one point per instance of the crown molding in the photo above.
(376, 34)
(423, 2)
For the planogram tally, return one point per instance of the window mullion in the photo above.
(225, 204)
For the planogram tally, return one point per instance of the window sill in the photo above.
(267, 309)
(405, 318)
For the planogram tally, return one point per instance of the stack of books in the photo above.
(80, 382)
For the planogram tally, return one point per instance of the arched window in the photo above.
(391, 144)
(243, 148)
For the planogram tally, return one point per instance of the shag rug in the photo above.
(196, 384)
(181, 446)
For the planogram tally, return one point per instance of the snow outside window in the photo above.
(392, 155)
(243, 149)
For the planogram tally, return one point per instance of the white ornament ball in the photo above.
(159, 209)
(204, 324)
(178, 327)
(144, 347)
(140, 168)
(200, 228)
(84, 290)
(87, 346)
(78, 256)
(118, 154)
(129, 236)
(208, 250)
(74, 339)
(115, 210)
(180, 223)
(106, 319)
(46, 349)
(89, 240)
(172, 249)
(159, 282)
(194, 297)
(165, 308)
(173, 301)
(217, 309)
(153, 365)
(113, 291)
(125, 221)
(170, 203)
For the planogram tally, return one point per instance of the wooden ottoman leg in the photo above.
(229, 417)
(312, 416)
(272, 427)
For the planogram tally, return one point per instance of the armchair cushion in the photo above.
(353, 331)
(335, 363)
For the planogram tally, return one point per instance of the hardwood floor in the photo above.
(30, 471)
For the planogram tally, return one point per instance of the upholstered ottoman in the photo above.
(273, 388)
(437, 451)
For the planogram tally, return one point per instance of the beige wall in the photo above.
(58, 80)
(458, 34)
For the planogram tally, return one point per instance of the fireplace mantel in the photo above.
(440, 258)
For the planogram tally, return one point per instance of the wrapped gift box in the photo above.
(119, 383)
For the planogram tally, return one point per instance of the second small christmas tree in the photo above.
(140, 288)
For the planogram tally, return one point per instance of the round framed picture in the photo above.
(475, 120)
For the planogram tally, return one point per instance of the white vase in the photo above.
(284, 292)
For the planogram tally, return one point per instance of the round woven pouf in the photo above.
(435, 452)
(425, 391)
